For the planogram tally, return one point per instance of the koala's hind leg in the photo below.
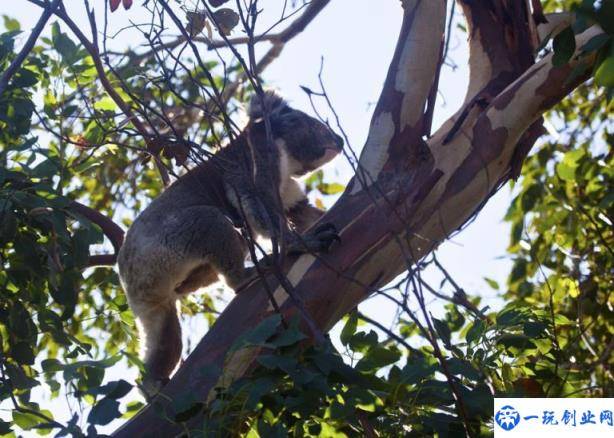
(201, 276)
(161, 340)
(211, 237)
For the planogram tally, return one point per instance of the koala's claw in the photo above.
(327, 234)
(327, 227)
(318, 240)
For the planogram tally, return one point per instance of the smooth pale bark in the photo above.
(409, 193)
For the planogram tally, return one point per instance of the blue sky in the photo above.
(356, 39)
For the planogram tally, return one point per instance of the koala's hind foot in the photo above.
(318, 240)
(161, 333)
(150, 387)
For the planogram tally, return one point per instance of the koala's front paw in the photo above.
(318, 240)
(326, 234)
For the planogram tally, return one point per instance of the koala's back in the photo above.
(201, 186)
(188, 221)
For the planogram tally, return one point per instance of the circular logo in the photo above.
(507, 417)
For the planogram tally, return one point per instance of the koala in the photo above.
(188, 237)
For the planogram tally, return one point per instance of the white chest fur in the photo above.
(290, 191)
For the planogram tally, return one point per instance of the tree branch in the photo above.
(398, 119)
(278, 39)
(110, 229)
(500, 46)
(16, 64)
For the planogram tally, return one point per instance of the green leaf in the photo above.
(519, 271)
(462, 368)
(46, 169)
(475, 332)
(260, 334)
(604, 75)
(26, 421)
(285, 363)
(534, 329)
(417, 370)
(8, 224)
(521, 342)
(605, 16)
(64, 45)
(349, 328)
(442, 330)
(564, 45)
(376, 358)
(257, 389)
(509, 317)
(21, 323)
(530, 197)
(105, 104)
(543, 345)
(24, 79)
(569, 286)
(18, 377)
(103, 412)
(492, 283)
(596, 43)
(132, 408)
(114, 390)
(51, 365)
(290, 336)
(362, 341)
(362, 399)
(23, 353)
(331, 188)
(11, 24)
(5, 428)
(314, 180)
(565, 171)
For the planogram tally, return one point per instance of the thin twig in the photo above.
(27, 48)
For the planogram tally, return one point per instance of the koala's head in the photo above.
(307, 142)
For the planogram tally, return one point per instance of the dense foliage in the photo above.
(64, 326)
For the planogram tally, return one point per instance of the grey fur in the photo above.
(188, 236)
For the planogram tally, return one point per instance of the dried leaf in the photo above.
(114, 4)
(196, 22)
(226, 20)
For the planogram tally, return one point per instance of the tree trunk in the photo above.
(409, 192)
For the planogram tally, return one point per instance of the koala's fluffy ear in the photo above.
(272, 101)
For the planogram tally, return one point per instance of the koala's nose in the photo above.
(338, 140)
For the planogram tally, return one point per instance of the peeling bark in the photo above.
(397, 120)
